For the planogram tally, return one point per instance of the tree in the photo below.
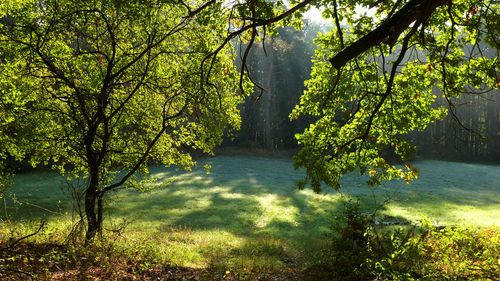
(95, 88)
(280, 67)
(373, 76)
(372, 86)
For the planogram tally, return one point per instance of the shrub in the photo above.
(462, 252)
(360, 250)
(348, 248)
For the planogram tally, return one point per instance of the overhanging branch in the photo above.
(390, 29)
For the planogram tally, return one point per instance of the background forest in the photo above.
(283, 65)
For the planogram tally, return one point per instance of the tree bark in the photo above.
(92, 224)
(94, 218)
(389, 30)
(100, 212)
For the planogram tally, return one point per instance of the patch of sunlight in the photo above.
(447, 213)
(395, 210)
(198, 203)
(232, 195)
(288, 214)
(253, 181)
(266, 203)
(274, 207)
(185, 180)
(219, 189)
(470, 215)
(162, 175)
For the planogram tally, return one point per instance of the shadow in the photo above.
(254, 198)
(35, 196)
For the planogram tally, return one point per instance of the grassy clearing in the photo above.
(246, 214)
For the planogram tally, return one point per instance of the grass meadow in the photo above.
(246, 214)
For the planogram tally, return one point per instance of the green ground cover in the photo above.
(246, 212)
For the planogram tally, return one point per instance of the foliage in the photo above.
(4, 184)
(48, 257)
(448, 253)
(387, 90)
(421, 253)
(360, 249)
(94, 88)
(349, 248)
(135, 63)
(462, 252)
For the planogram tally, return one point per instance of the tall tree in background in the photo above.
(481, 141)
(93, 87)
(268, 97)
(280, 66)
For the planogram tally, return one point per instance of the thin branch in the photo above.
(256, 23)
(12, 244)
(337, 23)
(18, 271)
(192, 13)
(145, 155)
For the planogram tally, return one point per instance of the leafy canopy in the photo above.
(365, 107)
(110, 85)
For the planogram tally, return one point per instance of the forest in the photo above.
(249, 140)
(265, 118)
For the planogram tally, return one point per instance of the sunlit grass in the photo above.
(246, 213)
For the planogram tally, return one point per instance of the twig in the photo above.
(24, 237)
(18, 271)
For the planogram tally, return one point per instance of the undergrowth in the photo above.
(51, 253)
(356, 249)
(242, 222)
(360, 250)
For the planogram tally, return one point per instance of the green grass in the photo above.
(247, 214)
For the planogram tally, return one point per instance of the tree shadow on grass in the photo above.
(254, 199)
(230, 197)
(200, 203)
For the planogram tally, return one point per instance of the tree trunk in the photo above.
(268, 136)
(99, 212)
(94, 217)
(92, 224)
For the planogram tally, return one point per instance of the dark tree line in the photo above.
(282, 64)
(474, 136)
(279, 67)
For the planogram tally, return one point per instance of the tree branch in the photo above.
(144, 155)
(24, 237)
(389, 30)
(256, 23)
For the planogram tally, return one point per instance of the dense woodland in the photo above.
(282, 64)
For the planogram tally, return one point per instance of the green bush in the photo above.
(462, 252)
(360, 250)
(349, 247)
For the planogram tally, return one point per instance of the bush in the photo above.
(462, 253)
(360, 250)
(343, 254)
